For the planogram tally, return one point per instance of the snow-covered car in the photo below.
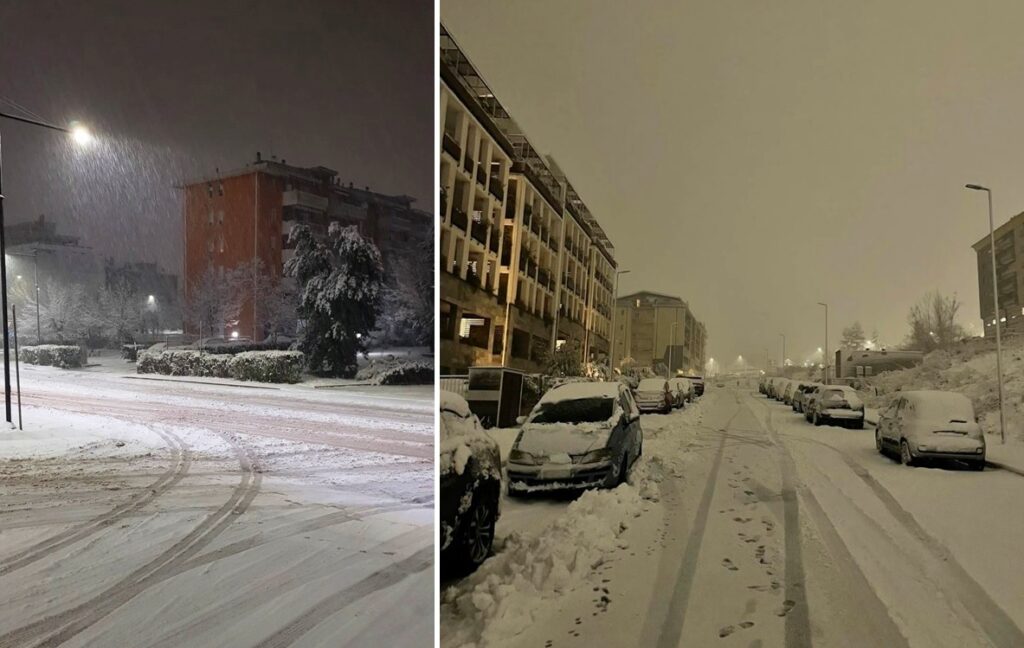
(682, 391)
(800, 395)
(931, 425)
(698, 384)
(654, 395)
(762, 384)
(836, 404)
(470, 486)
(579, 436)
(779, 388)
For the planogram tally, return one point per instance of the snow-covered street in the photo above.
(743, 525)
(157, 512)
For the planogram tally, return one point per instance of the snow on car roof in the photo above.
(452, 402)
(578, 390)
(951, 403)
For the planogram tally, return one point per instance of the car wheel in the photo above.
(878, 443)
(858, 425)
(978, 465)
(815, 420)
(479, 533)
(906, 458)
(624, 469)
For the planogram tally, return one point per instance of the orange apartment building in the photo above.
(236, 217)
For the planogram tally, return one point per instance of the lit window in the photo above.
(221, 243)
(209, 190)
(220, 188)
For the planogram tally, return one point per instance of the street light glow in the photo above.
(151, 299)
(80, 134)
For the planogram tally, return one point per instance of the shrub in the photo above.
(268, 366)
(236, 348)
(262, 366)
(64, 356)
(130, 352)
(416, 372)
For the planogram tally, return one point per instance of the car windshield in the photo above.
(579, 410)
(651, 384)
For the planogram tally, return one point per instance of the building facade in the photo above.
(1009, 275)
(525, 267)
(244, 216)
(654, 329)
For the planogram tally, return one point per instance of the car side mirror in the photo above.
(520, 420)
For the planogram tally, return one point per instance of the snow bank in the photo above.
(969, 370)
(504, 596)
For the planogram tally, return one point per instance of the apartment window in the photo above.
(210, 219)
(209, 190)
(220, 188)
(209, 245)
(222, 243)
(220, 217)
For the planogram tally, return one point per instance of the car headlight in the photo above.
(594, 456)
(520, 457)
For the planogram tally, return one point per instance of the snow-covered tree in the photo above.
(274, 301)
(564, 361)
(215, 299)
(64, 313)
(853, 337)
(117, 312)
(341, 288)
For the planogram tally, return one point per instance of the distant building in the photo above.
(525, 266)
(236, 217)
(859, 363)
(37, 251)
(653, 328)
(1010, 276)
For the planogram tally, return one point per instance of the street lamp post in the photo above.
(671, 345)
(35, 272)
(615, 313)
(783, 365)
(995, 306)
(824, 355)
(81, 136)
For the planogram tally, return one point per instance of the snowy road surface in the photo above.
(157, 513)
(756, 530)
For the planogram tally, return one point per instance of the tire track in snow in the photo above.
(672, 629)
(62, 626)
(994, 621)
(380, 579)
(182, 459)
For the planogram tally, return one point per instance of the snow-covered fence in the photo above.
(261, 366)
(65, 356)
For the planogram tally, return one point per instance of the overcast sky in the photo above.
(756, 158)
(179, 87)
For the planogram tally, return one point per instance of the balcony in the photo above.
(444, 202)
(543, 277)
(481, 177)
(510, 209)
(450, 147)
(479, 232)
(495, 189)
(467, 164)
(306, 200)
(493, 243)
(460, 219)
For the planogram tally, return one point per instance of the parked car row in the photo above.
(916, 426)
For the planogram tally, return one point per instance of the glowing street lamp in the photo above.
(81, 136)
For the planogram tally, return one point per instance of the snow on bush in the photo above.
(261, 366)
(53, 355)
(389, 370)
(504, 596)
(268, 366)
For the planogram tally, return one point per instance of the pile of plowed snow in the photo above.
(502, 597)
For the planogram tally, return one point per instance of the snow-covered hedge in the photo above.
(261, 366)
(53, 355)
(408, 373)
(268, 366)
(130, 352)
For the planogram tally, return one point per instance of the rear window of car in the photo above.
(579, 410)
(833, 393)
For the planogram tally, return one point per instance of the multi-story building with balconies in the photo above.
(525, 265)
(1009, 275)
(236, 217)
(654, 329)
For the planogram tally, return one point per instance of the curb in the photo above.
(200, 382)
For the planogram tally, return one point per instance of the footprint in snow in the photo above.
(728, 564)
(787, 605)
